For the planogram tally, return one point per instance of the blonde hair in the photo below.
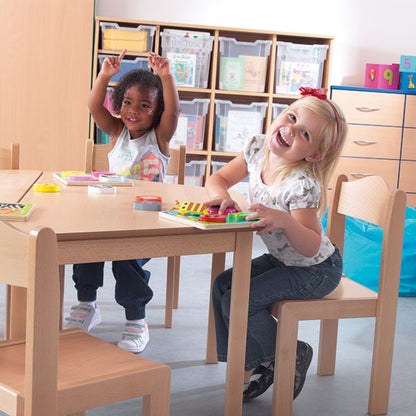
(333, 134)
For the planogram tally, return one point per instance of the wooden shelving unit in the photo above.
(212, 92)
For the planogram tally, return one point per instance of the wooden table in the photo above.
(102, 227)
(14, 186)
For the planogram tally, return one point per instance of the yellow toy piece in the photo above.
(46, 187)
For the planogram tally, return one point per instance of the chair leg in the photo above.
(285, 363)
(378, 401)
(62, 293)
(158, 403)
(327, 347)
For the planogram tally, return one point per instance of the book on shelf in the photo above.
(255, 68)
(231, 73)
(181, 132)
(194, 139)
(183, 68)
(14, 211)
(241, 125)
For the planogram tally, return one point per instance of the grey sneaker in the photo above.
(304, 354)
(84, 316)
(134, 337)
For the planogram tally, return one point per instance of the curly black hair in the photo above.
(144, 79)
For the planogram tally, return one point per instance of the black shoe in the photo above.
(304, 354)
(259, 386)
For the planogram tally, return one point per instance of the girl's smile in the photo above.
(138, 110)
(296, 135)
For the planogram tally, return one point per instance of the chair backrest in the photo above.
(10, 157)
(369, 199)
(176, 166)
(96, 159)
(31, 261)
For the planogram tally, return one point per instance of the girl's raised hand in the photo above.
(112, 64)
(159, 65)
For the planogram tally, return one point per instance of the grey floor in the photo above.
(198, 388)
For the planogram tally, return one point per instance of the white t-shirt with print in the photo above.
(138, 158)
(296, 191)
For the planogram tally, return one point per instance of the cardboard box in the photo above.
(382, 76)
(134, 39)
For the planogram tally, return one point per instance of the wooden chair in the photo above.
(370, 200)
(10, 157)
(96, 159)
(63, 373)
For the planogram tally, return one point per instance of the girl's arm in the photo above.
(301, 226)
(102, 117)
(217, 185)
(167, 126)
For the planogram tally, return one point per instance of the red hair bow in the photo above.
(315, 92)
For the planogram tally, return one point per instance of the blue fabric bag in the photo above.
(363, 239)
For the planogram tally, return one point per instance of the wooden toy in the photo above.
(199, 216)
(82, 179)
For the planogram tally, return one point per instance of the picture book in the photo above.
(75, 178)
(183, 68)
(231, 73)
(241, 126)
(181, 132)
(255, 68)
(194, 139)
(15, 211)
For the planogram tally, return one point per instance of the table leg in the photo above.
(238, 324)
(218, 265)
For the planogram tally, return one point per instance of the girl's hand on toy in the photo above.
(112, 64)
(159, 65)
(223, 204)
(270, 218)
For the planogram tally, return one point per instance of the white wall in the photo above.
(375, 31)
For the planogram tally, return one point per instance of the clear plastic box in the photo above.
(191, 124)
(108, 102)
(189, 57)
(126, 65)
(235, 123)
(194, 172)
(277, 109)
(299, 66)
(243, 65)
(134, 39)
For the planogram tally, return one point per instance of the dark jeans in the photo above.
(132, 289)
(271, 281)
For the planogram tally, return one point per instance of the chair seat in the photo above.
(83, 360)
(349, 292)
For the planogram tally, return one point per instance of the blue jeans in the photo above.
(132, 289)
(270, 281)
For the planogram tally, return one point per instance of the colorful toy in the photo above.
(407, 81)
(191, 208)
(214, 210)
(46, 187)
(382, 76)
(148, 203)
(201, 216)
